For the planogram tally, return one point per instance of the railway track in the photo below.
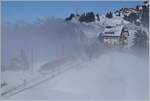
(37, 81)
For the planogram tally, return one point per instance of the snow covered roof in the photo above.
(113, 22)
(138, 20)
(114, 31)
(140, 8)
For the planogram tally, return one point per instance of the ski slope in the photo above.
(112, 76)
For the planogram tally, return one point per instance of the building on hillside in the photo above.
(114, 36)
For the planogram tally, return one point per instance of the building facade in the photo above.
(114, 36)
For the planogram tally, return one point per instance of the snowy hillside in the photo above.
(52, 31)
(55, 58)
(97, 79)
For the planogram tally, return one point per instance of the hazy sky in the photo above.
(13, 11)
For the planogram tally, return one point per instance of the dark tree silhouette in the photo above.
(109, 15)
(77, 14)
(140, 40)
(97, 15)
(70, 17)
(137, 7)
(145, 2)
(145, 16)
(87, 17)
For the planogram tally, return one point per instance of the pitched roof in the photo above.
(114, 31)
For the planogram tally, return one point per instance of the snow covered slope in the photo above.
(92, 29)
(52, 39)
(123, 77)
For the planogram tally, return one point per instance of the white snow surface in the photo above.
(111, 76)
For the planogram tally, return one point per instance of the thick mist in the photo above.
(96, 71)
(49, 39)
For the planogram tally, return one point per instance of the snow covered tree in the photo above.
(132, 17)
(140, 40)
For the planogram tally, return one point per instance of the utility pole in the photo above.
(32, 67)
(24, 63)
(63, 49)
